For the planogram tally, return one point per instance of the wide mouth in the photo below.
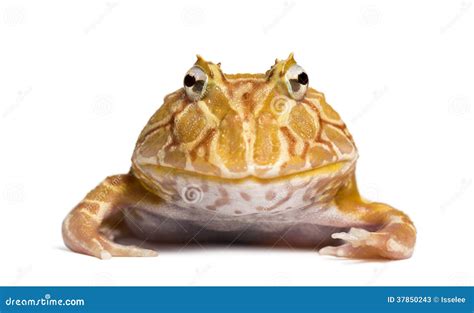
(153, 170)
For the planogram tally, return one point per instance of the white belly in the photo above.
(247, 196)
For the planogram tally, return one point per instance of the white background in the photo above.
(79, 80)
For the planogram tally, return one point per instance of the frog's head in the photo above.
(244, 125)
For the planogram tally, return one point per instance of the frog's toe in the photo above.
(363, 244)
(355, 236)
(345, 250)
(105, 249)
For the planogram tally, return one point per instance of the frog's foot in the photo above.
(100, 246)
(394, 241)
(361, 243)
(81, 228)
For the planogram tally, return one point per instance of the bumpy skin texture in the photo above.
(245, 162)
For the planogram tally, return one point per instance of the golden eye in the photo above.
(297, 82)
(195, 83)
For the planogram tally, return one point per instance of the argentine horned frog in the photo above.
(250, 158)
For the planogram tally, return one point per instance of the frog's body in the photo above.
(255, 158)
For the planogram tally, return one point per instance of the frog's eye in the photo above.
(195, 83)
(296, 81)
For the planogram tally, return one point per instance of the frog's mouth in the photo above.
(151, 171)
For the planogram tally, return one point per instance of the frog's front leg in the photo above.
(387, 232)
(82, 227)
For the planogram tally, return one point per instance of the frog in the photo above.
(253, 159)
